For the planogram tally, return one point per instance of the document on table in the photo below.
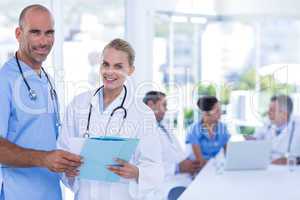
(99, 152)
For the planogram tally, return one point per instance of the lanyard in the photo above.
(291, 135)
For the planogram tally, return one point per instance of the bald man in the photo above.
(29, 115)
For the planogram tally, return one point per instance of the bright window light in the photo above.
(198, 20)
(179, 19)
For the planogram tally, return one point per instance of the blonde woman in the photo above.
(92, 111)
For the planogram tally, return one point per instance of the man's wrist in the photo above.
(38, 158)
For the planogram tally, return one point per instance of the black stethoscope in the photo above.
(120, 107)
(33, 96)
(163, 128)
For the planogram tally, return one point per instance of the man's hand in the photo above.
(72, 173)
(279, 161)
(125, 169)
(249, 137)
(61, 161)
(190, 166)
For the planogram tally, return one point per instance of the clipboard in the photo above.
(99, 152)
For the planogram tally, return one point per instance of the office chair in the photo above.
(175, 193)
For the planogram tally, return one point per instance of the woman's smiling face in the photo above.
(115, 68)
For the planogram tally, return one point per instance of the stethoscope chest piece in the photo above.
(32, 94)
(58, 124)
(86, 134)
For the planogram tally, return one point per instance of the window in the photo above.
(9, 15)
(88, 26)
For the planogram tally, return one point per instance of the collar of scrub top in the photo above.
(214, 137)
(205, 130)
(120, 107)
(32, 94)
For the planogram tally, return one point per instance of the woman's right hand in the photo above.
(125, 170)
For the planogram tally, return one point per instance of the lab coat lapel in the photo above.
(100, 120)
(97, 123)
(280, 142)
(115, 103)
(95, 101)
(171, 144)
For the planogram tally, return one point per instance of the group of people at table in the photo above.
(35, 146)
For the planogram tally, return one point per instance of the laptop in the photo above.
(248, 155)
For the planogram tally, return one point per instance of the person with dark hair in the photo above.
(178, 169)
(208, 136)
(156, 100)
(282, 130)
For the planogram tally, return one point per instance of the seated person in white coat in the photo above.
(178, 169)
(283, 129)
(95, 113)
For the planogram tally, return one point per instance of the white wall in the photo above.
(139, 28)
(139, 24)
(258, 7)
(139, 32)
(204, 7)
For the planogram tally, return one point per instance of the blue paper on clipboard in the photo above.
(99, 152)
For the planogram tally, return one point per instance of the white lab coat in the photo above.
(280, 143)
(140, 123)
(172, 155)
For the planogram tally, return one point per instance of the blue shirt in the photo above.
(210, 146)
(279, 129)
(29, 124)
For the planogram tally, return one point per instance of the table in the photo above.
(275, 183)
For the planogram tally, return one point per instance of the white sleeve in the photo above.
(148, 158)
(169, 168)
(68, 130)
(167, 160)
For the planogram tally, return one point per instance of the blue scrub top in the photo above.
(210, 147)
(29, 124)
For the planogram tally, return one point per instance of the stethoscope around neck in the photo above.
(120, 107)
(291, 135)
(33, 95)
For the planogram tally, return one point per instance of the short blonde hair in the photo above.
(122, 45)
